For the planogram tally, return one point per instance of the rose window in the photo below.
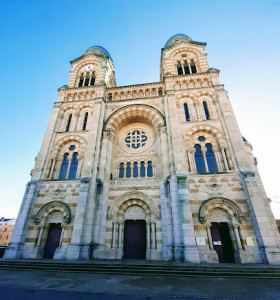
(136, 139)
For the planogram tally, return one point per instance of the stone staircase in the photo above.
(145, 268)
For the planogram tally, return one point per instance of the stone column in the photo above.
(114, 234)
(209, 237)
(164, 150)
(205, 160)
(225, 159)
(15, 247)
(176, 219)
(120, 235)
(153, 235)
(38, 244)
(73, 252)
(148, 229)
(238, 240)
(61, 236)
(54, 161)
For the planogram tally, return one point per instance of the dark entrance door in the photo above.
(222, 242)
(135, 239)
(52, 240)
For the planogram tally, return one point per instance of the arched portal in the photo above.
(134, 216)
(51, 218)
(223, 219)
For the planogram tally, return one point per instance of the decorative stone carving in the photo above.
(45, 210)
(134, 182)
(134, 212)
(207, 206)
(59, 194)
(214, 188)
(134, 198)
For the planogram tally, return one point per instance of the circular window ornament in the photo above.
(72, 147)
(136, 138)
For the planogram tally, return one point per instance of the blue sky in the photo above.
(39, 38)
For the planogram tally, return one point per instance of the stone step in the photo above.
(147, 270)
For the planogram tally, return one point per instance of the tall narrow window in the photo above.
(179, 68)
(68, 123)
(64, 167)
(121, 171)
(150, 169)
(187, 114)
(193, 67)
(81, 81)
(86, 81)
(205, 106)
(128, 170)
(160, 92)
(73, 166)
(92, 80)
(85, 121)
(211, 159)
(142, 169)
(135, 169)
(109, 97)
(199, 161)
(186, 68)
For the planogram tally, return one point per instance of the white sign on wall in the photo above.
(251, 241)
(200, 241)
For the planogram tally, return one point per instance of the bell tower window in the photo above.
(92, 79)
(179, 68)
(187, 114)
(68, 123)
(81, 81)
(87, 80)
(85, 121)
(205, 106)
(193, 67)
(186, 68)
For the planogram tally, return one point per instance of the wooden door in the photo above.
(53, 240)
(222, 242)
(135, 239)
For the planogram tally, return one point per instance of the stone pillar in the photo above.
(268, 242)
(236, 233)
(114, 234)
(166, 222)
(164, 150)
(176, 219)
(120, 235)
(153, 235)
(38, 244)
(225, 159)
(148, 229)
(209, 237)
(15, 247)
(205, 160)
(61, 236)
(73, 252)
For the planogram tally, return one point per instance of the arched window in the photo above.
(64, 167)
(150, 169)
(73, 166)
(211, 159)
(109, 97)
(179, 68)
(135, 169)
(142, 169)
(81, 81)
(68, 123)
(121, 171)
(85, 121)
(87, 80)
(205, 106)
(193, 67)
(199, 161)
(186, 68)
(187, 114)
(128, 170)
(160, 92)
(92, 80)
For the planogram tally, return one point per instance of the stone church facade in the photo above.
(156, 171)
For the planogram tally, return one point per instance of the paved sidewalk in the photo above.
(50, 285)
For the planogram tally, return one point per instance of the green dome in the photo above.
(100, 49)
(176, 37)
